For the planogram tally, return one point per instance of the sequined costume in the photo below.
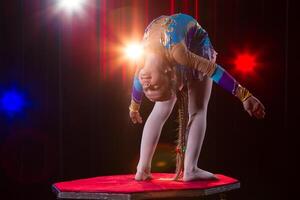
(186, 45)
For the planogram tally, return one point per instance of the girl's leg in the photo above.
(199, 94)
(151, 133)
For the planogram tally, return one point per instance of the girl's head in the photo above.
(157, 78)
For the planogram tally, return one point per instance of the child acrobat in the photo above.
(179, 54)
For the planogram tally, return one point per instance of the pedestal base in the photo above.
(124, 187)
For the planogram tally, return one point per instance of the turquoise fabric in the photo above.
(218, 74)
(177, 29)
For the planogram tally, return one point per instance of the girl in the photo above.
(178, 53)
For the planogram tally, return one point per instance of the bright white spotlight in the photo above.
(70, 5)
(134, 51)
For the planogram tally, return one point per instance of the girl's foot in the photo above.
(142, 175)
(198, 174)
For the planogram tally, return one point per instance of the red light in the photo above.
(245, 63)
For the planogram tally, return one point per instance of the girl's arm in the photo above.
(181, 55)
(136, 99)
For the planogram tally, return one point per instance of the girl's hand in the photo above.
(135, 117)
(254, 107)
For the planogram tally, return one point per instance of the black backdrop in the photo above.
(76, 124)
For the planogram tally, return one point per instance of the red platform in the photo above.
(125, 187)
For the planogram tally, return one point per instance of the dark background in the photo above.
(74, 123)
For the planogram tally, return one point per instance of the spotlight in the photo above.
(246, 63)
(71, 5)
(134, 51)
(12, 102)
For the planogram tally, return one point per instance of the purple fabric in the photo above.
(137, 95)
(227, 82)
(137, 90)
(197, 41)
(190, 36)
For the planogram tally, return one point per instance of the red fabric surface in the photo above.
(127, 184)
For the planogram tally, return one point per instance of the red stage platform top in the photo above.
(127, 184)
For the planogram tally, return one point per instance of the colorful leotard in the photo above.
(186, 45)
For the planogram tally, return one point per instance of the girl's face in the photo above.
(156, 79)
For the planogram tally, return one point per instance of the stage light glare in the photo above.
(161, 164)
(246, 63)
(12, 102)
(70, 5)
(134, 51)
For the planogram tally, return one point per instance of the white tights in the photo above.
(199, 94)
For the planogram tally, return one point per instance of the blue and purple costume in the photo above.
(187, 47)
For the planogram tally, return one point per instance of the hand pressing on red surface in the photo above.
(135, 117)
(254, 107)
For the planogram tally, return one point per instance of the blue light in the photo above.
(12, 102)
